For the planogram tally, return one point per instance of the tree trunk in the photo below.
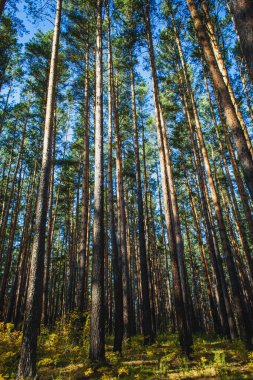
(2, 6)
(216, 318)
(27, 363)
(24, 240)
(244, 154)
(116, 258)
(85, 198)
(223, 69)
(147, 323)
(224, 237)
(242, 11)
(9, 253)
(97, 320)
(182, 315)
(237, 214)
(194, 116)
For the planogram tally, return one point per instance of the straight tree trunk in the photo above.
(227, 250)
(213, 306)
(200, 172)
(24, 241)
(147, 323)
(221, 294)
(50, 233)
(9, 196)
(97, 325)
(237, 214)
(238, 177)
(182, 314)
(9, 253)
(122, 223)
(85, 197)
(167, 272)
(27, 363)
(116, 258)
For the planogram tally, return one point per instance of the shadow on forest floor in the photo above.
(59, 358)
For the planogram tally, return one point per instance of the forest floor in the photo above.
(59, 358)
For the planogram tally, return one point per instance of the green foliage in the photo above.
(8, 46)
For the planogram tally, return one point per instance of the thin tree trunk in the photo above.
(238, 219)
(181, 308)
(7, 207)
(9, 253)
(97, 325)
(116, 257)
(199, 168)
(85, 196)
(24, 241)
(213, 306)
(121, 217)
(27, 363)
(147, 324)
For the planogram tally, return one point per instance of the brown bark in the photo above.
(147, 324)
(121, 211)
(122, 221)
(97, 326)
(242, 11)
(237, 173)
(216, 318)
(27, 363)
(223, 69)
(167, 272)
(232, 121)
(85, 196)
(193, 117)
(9, 253)
(167, 178)
(237, 215)
(245, 89)
(9, 196)
(50, 233)
(116, 257)
(25, 238)
(2, 6)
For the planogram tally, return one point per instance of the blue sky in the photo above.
(32, 24)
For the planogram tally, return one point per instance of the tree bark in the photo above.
(242, 11)
(182, 314)
(97, 321)
(223, 69)
(194, 116)
(2, 6)
(116, 258)
(147, 323)
(27, 363)
(244, 154)
(85, 198)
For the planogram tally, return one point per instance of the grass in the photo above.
(60, 358)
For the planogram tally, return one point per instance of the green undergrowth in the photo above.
(63, 354)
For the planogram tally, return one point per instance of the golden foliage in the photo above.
(60, 356)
